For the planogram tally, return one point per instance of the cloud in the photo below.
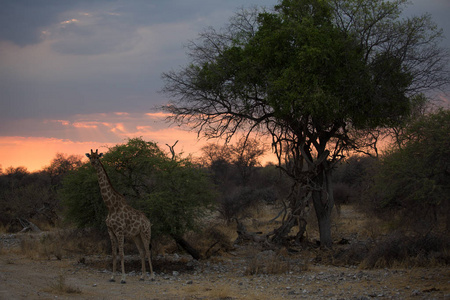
(61, 58)
(22, 22)
(158, 115)
(101, 127)
(92, 33)
(54, 78)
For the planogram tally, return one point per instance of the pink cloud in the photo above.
(85, 124)
(62, 122)
(119, 128)
(158, 115)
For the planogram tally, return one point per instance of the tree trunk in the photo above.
(297, 216)
(187, 247)
(281, 233)
(323, 204)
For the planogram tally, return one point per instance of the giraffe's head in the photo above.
(94, 157)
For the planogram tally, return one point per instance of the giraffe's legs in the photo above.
(140, 246)
(113, 239)
(120, 241)
(146, 242)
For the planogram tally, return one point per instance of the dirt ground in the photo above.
(241, 273)
(23, 278)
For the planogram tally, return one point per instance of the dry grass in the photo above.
(273, 266)
(351, 222)
(214, 239)
(61, 243)
(3, 229)
(400, 250)
(220, 292)
(60, 286)
(273, 263)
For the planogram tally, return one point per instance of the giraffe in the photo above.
(122, 221)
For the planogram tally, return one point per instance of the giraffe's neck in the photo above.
(110, 196)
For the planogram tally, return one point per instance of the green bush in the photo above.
(81, 198)
(413, 181)
(173, 192)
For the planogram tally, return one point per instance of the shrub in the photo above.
(413, 181)
(238, 202)
(173, 192)
(398, 249)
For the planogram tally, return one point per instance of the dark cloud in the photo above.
(21, 21)
(96, 37)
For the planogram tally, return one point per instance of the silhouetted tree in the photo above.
(246, 155)
(61, 165)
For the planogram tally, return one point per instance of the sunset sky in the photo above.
(76, 75)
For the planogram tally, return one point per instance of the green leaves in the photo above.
(81, 199)
(415, 178)
(173, 193)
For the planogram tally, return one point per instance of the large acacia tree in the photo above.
(314, 75)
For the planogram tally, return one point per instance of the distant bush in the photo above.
(28, 196)
(351, 179)
(32, 196)
(342, 193)
(398, 249)
(236, 203)
(412, 182)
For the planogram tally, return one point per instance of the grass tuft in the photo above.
(60, 286)
(399, 250)
(272, 263)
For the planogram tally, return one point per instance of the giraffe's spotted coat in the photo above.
(122, 220)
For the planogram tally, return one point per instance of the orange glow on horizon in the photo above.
(37, 153)
(96, 131)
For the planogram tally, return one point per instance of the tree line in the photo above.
(409, 183)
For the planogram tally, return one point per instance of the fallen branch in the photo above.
(28, 226)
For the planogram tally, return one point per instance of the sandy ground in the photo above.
(24, 278)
